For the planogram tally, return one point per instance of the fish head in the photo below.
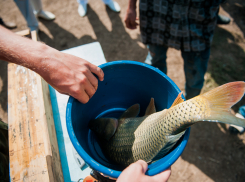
(104, 127)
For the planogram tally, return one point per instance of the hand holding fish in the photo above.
(136, 173)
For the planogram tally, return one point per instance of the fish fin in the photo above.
(151, 108)
(221, 99)
(104, 127)
(131, 112)
(178, 100)
(172, 140)
(182, 128)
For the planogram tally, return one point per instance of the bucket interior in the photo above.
(123, 86)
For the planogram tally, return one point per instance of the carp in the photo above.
(129, 138)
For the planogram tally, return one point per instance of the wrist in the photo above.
(132, 5)
(44, 60)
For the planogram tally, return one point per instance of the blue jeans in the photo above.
(27, 11)
(195, 66)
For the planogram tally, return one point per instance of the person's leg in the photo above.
(27, 11)
(157, 56)
(195, 66)
(82, 1)
(37, 5)
(38, 10)
(113, 5)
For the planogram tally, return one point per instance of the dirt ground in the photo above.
(212, 153)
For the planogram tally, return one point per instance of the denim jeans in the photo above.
(27, 10)
(195, 66)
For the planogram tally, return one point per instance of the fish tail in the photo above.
(220, 101)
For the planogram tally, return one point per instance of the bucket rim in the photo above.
(159, 166)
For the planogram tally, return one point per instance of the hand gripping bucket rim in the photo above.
(153, 168)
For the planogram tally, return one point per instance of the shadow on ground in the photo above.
(227, 60)
(211, 146)
(217, 153)
(236, 9)
(116, 44)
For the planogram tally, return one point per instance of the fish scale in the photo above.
(151, 137)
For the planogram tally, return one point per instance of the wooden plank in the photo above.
(34, 154)
(23, 32)
(34, 35)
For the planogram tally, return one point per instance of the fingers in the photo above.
(127, 23)
(80, 94)
(89, 83)
(83, 97)
(134, 172)
(143, 165)
(92, 80)
(87, 88)
(130, 20)
(163, 176)
(98, 71)
(131, 24)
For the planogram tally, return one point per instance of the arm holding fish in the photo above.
(136, 172)
(66, 73)
(130, 17)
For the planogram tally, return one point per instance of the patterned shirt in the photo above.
(182, 24)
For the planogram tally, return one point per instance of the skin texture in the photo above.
(130, 17)
(136, 172)
(68, 74)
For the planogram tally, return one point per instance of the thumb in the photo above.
(163, 176)
(143, 165)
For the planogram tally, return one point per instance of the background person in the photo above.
(184, 25)
(31, 9)
(82, 7)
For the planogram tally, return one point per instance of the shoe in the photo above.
(9, 25)
(46, 15)
(82, 9)
(223, 20)
(236, 129)
(114, 6)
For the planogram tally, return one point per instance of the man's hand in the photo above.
(130, 18)
(71, 75)
(66, 73)
(136, 173)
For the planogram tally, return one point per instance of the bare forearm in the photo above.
(66, 73)
(132, 4)
(22, 51)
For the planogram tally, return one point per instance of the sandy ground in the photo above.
(212, 153)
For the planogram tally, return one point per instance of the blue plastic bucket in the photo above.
(125, 83)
